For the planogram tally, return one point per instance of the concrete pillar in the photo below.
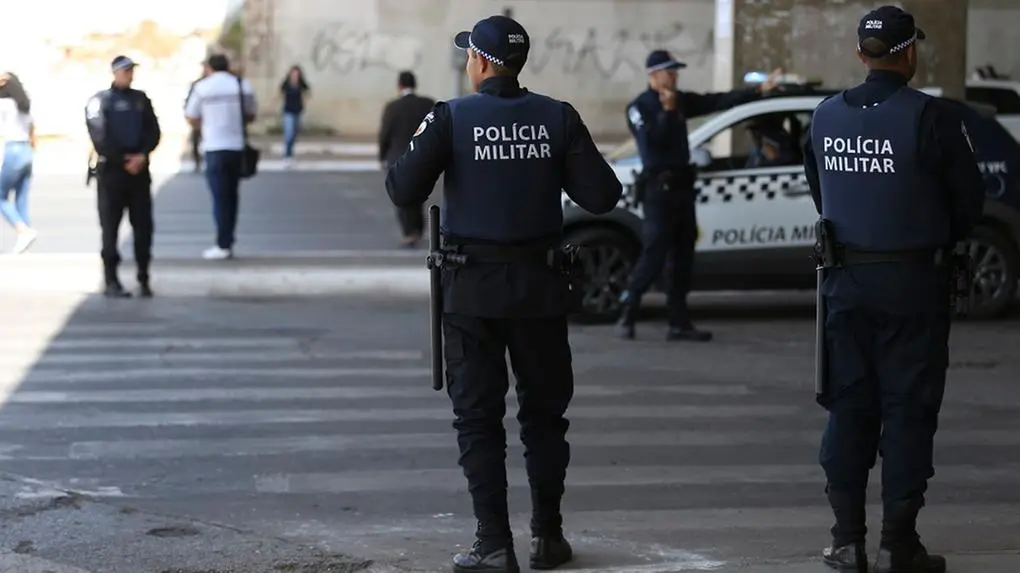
(818, 39)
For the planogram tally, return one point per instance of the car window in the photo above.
(1005, 101)
(768, 140)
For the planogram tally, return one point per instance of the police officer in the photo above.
(507, 153)
(657, 120)
(124, 131)
(893, 170)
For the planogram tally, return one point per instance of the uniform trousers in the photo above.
(887, 338)
(120, 191)
(477, 383)
(670, 227)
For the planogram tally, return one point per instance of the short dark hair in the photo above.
(876, 46)
(406, 79)
(219, 63)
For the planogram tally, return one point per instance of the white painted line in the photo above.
(241, 418)
(44, 375)
(50, 359)
(186, 448)
(325, 393)
(168, 344)
(452, 480)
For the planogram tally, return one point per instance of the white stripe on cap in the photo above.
(661, 66)
(485, 55)
(898, 47)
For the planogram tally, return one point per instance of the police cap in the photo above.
(499, 39)
(122, 63)
(890, 24)
(662, 60)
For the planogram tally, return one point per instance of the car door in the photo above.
(756, 221)
(1006, 102)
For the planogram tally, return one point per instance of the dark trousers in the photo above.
(670, 227)
(412, 221)
(196, 139)
(120, 191)
(223, 174)
(886, 378)
(477, 384)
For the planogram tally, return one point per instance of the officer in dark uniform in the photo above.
(124, 131)
(658, 121)
(507, 153)
(893, 170)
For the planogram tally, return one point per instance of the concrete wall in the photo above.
(589, 52)
(62, 52)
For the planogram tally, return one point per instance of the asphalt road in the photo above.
(216, 432)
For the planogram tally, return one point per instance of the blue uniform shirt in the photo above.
(507, 154)
(661, 136)
(943, 150)
(874, 187)
(121, 122)
(507, 168)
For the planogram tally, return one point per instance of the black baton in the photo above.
(436, 299)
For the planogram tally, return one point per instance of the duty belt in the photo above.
(505, 254)
(850, 257)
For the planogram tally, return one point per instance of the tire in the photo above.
(608, 257)
(997, 263)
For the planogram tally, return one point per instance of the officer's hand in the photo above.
(3, 79)
(668, 98)
(134, 163)
(770, 82)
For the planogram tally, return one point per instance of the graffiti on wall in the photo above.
(615, 55)
(346, 48)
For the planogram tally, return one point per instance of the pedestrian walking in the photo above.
(295, 91)
(221, 106)
(124, 131)
(507, 154)
(17, 130)
(657, 118)
(400, 119)
(195, 136)
(894, 178)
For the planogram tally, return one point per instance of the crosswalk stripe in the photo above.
(131, 375)
(184, 448)
(177, 357)
(345, 392)
(452, 480)
(163, 343)
(441, 411)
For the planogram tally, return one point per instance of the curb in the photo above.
(17, 563)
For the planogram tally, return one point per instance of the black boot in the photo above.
(549, 552)
(914, 560)
(115, 290)
(487, 557)
(851, 558)
(144, 289)
(847, 552)
(628, 316)
(900, 550)
(689, 333)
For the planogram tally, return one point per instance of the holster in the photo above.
(567, 260)
(961, 279)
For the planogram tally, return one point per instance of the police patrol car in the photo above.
(756, 225)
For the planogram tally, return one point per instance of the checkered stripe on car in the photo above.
(747, 187)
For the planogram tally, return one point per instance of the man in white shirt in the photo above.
(216, 106)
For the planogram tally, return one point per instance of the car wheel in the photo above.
(608, 256)
(997, 269)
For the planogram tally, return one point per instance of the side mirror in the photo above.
(701, 157)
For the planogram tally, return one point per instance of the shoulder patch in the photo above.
(429, 118)
(93, 107)
(634, 116)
